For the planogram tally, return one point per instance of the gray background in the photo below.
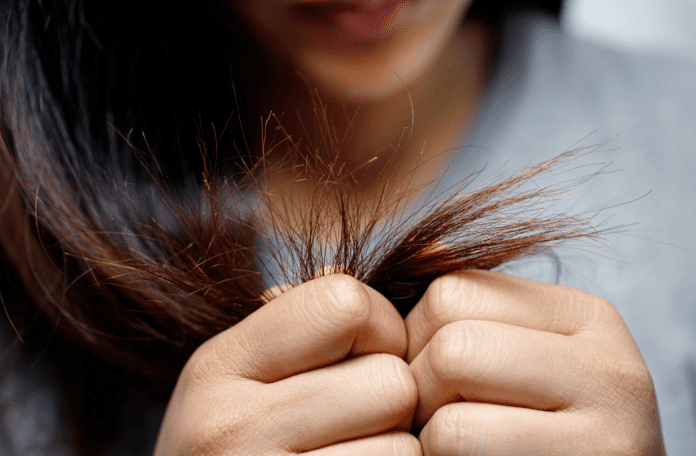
(664, 26)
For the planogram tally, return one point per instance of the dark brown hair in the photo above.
(137, 258)
(82, 209)
(144, 272)
(144, 295)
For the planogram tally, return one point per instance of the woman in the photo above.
(329, 366)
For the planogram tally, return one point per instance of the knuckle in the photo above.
(603, 311)
(342, 299)
(452, 354)
(203, 367)
(602, 306)
(446, 430)
(397, 385)
(448, 351)
(404, 444)
(634, 380)
(443, 297)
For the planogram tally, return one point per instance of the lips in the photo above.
(365, 5)
(358, 19)
(367, 23)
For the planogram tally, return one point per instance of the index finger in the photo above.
(493, 296)
(315, 324)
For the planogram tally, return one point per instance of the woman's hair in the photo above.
(495, 11)
(137, 233)
(83, 84)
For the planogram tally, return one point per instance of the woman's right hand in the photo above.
(318, 370)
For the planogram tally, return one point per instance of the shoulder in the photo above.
(552, 92)
(547, 83)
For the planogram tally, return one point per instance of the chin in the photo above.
(352, 81)
(358, 90)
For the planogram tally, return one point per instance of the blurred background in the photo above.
(661, 26)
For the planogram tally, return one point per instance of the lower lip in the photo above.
(370, 24)
(361, 24)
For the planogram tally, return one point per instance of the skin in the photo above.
(484, 364)
(427, 79)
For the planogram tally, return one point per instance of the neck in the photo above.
(429, 117)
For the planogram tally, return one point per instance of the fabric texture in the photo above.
(550, 92)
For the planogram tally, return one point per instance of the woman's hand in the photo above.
(279, 381)
(508, 366)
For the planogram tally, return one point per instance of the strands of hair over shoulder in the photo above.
(144, 272)
(125, 258)
(141, 269)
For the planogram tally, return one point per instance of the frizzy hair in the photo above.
(136, 231)
(141, 260)
(178, 267)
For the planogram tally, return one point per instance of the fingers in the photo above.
(470, 428)
(356, 398)
(542, 369)
(391, 444)
(482, 361)
(492, 296)
(279, 382)
(312, 325)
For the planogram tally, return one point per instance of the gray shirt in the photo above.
(549, 92)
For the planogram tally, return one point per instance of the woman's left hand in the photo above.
(510, 366)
